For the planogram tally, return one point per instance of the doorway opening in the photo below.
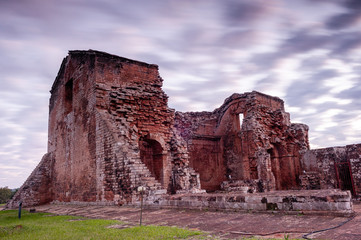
(344, 176)
(151, 154)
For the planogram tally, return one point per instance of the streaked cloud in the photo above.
(350, 17)
(306, 52)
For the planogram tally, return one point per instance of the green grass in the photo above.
(46, 226)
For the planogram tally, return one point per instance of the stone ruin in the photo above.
(111, 131)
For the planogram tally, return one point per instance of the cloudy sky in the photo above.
(307, 52)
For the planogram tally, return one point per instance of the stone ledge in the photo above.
(323, 202)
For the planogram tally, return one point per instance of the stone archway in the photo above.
(151, 154)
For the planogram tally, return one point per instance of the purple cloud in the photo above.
(348, 19)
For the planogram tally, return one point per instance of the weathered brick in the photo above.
(111, 131)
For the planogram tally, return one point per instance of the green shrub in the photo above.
(5, 194)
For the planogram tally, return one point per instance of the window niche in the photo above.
(240, 121)
(68, 96)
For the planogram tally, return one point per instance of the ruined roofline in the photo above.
(111, 56)
(277, 99)
(90, 52)
(233, 97)
(337, 147)
(236, 96)
(59, 75)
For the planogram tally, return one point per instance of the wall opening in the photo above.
(240, 120)
(68, 96)
(344, 176)
(284, 167)
(205, 158)
(275, 167)
(151, 154)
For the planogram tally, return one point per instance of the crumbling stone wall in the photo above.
(310, 180)
(265, 147)
(205, 154)
(136, 107)
(71, 134)
(323, 161)
(38, 186)
(334, 167)
(111, 131)
(354, 156)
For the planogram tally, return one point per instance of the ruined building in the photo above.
(111, 131)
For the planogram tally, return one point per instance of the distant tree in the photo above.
(13, 191)
(5, 194)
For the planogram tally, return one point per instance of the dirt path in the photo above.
(228, 225)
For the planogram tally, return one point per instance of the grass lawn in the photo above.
(46, 226)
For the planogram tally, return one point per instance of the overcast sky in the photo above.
(306, 52)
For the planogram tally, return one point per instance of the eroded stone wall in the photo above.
(111, 131)
(334, 167)
(37, 189)
(264, 147)
(131, 99)
(354, 156)
(71, 134)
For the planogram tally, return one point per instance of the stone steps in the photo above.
(140, 170)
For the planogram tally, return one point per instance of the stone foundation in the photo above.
(330, 201)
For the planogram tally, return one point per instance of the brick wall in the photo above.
(37, 189)
(102, 109)
(354, 156)
(111, 131)
(71, 135)
(264, 146)
(337, 167)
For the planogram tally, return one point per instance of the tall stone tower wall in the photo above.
(72, 133)
(110, 131)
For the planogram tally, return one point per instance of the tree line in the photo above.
(6, 194)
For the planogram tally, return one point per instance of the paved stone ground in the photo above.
(225, 225)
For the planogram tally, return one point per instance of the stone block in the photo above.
(255, 206)
(274, 199)
(253, 199)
